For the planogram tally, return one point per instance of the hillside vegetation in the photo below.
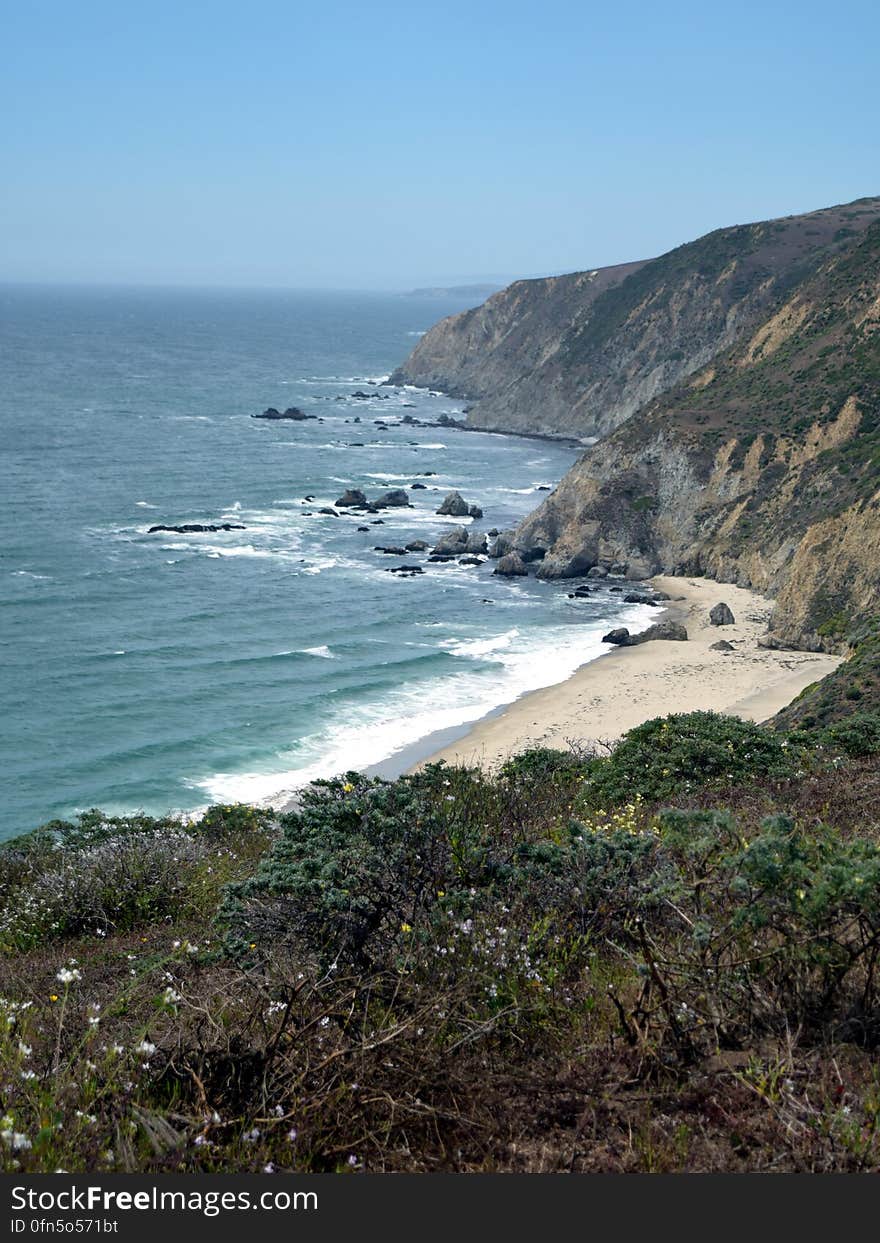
(663, 958)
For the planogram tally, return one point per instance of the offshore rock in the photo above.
(292, 412)
(452, 542)
(504, 543)
(396, 498)
(476, 542)
(188, 528)
(511, 565)
(454, 506)
(352, 496)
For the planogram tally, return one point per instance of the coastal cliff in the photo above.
(580, 354)
(762, 470)
(733, 388)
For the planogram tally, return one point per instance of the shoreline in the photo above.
(611, 694)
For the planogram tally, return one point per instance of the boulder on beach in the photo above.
(722, 646)
(454, 506)
(671, 630)
(620, 636)
(640, 597)
(663, 630)
(721, 615)
(511, 565)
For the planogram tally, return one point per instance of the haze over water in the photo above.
(169, 671)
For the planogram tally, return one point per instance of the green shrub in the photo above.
(668, 756)
(105, 873)
(546, 764)
(856, 735)
(364, 861)
(775, 930)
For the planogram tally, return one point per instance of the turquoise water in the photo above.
(168, 671)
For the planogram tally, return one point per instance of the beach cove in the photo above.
(613, 693)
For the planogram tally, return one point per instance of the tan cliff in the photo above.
(763, 470)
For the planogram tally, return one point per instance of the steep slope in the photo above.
(764, 469)
(580, 354)
(480, 353)
(853, 689)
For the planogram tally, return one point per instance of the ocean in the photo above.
(168, 671)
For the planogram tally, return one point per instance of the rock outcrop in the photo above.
(511, 566)
(454, 506)
(452, 543)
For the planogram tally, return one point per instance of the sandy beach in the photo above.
(618, 691)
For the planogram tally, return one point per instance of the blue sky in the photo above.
(386, 144)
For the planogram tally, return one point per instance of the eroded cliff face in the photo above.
(763, 470)
(480, 353)
(581, 354)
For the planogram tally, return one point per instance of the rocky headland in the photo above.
(733, 388)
